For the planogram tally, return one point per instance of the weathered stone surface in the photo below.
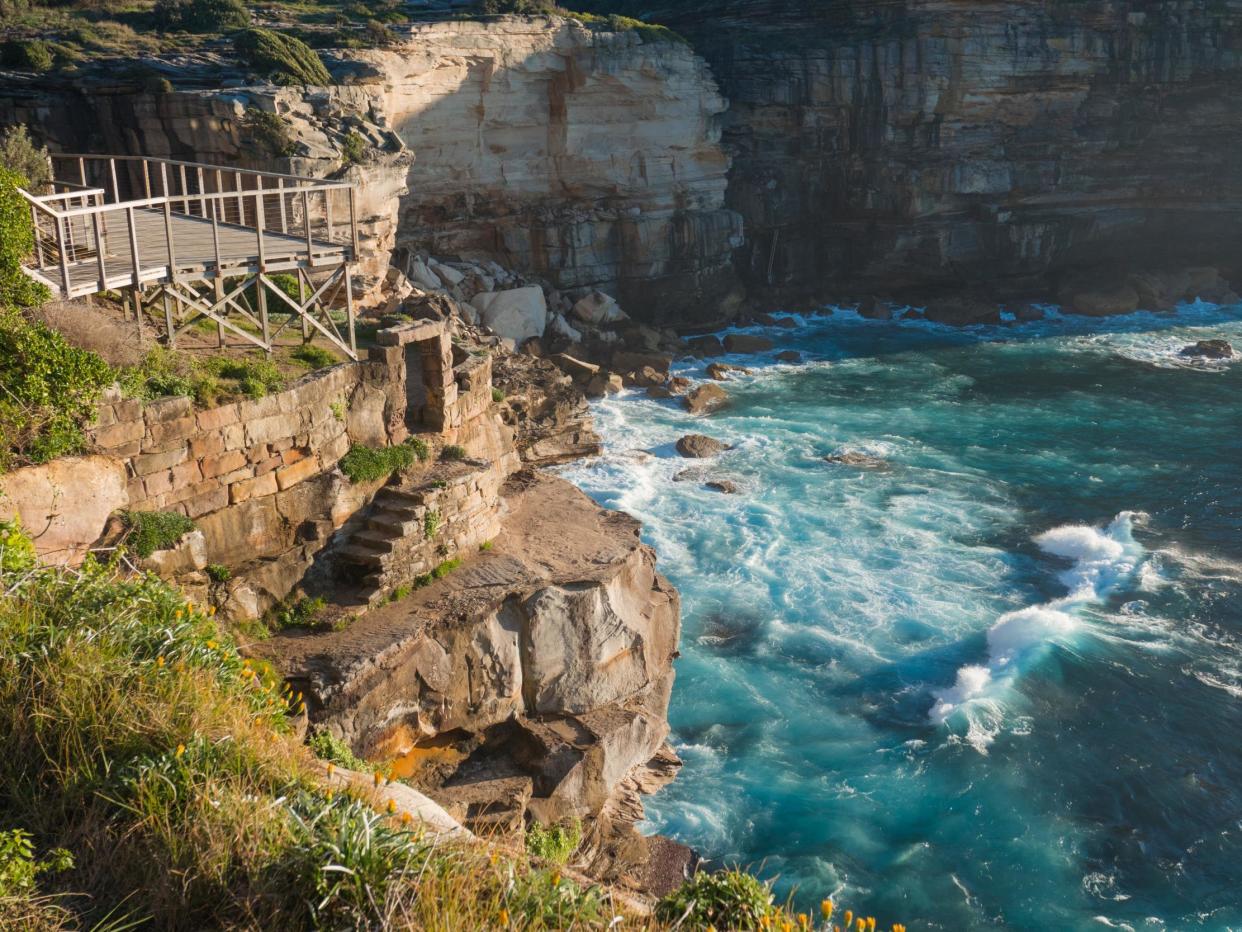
(720, 371)
(517, 314)
(705, 399)
(549, 414)
(64, 505)
(857, 459)
(699, 446)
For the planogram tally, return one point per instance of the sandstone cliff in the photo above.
(922, 145)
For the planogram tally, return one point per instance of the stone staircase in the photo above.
(418, 524)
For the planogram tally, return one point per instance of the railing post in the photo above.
(310, 260)
(82, 170)
(349, 311)
(38, 232)
(353, 222)
(146, 177)
(185, 192)
(64, 257)
(169, 323)
(133, 246)
(280, 194)
(327, 211)
(168, 232)
(164, 181)
(260, 221)
(202, 205)
(99, 252)
(116, 191)
(302, 283)
(241, 202)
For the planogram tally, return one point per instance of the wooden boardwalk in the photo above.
(195, 254)
(200, 238)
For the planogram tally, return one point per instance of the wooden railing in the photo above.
(106, 211)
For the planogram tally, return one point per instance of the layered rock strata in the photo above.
(921, 145)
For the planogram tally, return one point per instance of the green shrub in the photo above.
(26, 55)
(353, 148)
(17, 550)
(255, 377)
(48, 391)
(218, 572)
(201, 16)
(442, 570)
(266, 135)
(431, 523)
(18, 867)
(301, 613)
(314, 357)
(19, 154)
(556, 844)
(327, 746)
(453, 453)
(401, 592)
(365, 464)
(420, 448)
(497, 395)
(16, 243)
(282, 58)
(379, 35)
(150, 531)
(729, 899)
(486, 546)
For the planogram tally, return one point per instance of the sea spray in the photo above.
(1103, 559)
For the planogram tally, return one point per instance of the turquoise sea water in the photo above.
(996, 683)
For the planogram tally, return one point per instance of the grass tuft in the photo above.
(149, 531)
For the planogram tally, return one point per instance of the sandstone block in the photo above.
(296, 472)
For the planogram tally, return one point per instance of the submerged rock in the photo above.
(856, 459)
(698, 446)
(721, 485)
(789, 356)
(1208, 349)
(705, 346)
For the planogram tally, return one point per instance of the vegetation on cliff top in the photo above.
(42, 35)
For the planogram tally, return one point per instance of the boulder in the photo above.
(1105, 302)
(599, 309)
(962, 311)
(646, 377)
(603, 383)
(705, 399)
(624, 361)
(423, 275)
(874, 309)
(64, 504)
(679, 384)
(1028, 312)
(517, 314)
(559, 326)
(720, 370)
(699, 446)
(705, 346)
(789, 356)
(1208, 349)
(747, 343)
(721, 485)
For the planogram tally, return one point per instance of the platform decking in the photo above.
(197, 237)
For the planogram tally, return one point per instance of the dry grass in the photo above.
(98, 329)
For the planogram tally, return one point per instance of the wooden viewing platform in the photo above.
(203, 239)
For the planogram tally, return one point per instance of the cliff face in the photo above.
(589, 158)
(916, 145)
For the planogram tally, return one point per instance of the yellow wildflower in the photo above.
(504, 916)
(871, 924)
(849, 918)
(331, 768)
(211, 645)
(862, 924)
(159, 661)
(406, 818)
(493, 858)
(556, 879)
(377, 778)
(180, 750)
(804, 920)
(392, 807)
(212, 610)
(826, 908)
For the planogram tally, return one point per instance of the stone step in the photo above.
(352, 553)
(392, 523)
(398, 498)
(372, 539)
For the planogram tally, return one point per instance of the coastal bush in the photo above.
(149, 531)
(329, 747)
(218, 572)
(453, 452)
(556, 844)
(19, 154)
(16, 243)
(17, 551)
(256, 377)
(26, 55)
(269, 135)
(48, 391)
(431, 523)
(314, 357)
(201, 16)
(282, 58)
(728, 899)
(353, 148)
(299, 613)
(366, 464)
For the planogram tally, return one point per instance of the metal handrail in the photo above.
(95, 157)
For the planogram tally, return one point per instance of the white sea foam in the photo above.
(1102, 559)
